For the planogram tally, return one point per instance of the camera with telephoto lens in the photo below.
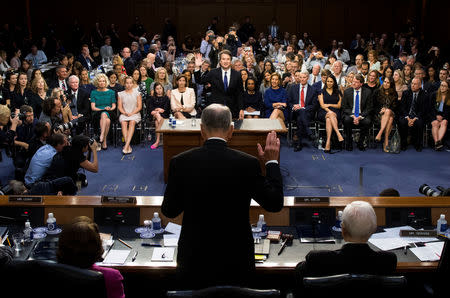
(66, 126)
(22, 116)
(426, 190)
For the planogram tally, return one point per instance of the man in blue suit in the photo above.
(318, 86)
(302, 101)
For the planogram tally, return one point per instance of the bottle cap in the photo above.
(50, 215)
(261, 217)
(442, 216)
(27, 224)
(340, 213)
(155, 214)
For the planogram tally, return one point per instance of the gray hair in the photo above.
(338, 62)
(17, 187)
(216, 117)
(359, 220)
(73, 77)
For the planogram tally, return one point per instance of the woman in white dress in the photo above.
(130, 105)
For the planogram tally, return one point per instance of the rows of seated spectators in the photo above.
(378, 83)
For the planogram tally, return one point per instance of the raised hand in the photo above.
(272, 148)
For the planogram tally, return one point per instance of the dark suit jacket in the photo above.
(129, 65)
(83, 62)
(421, 106)
(398, 64)
(357, 258)
(311, 102)
(318, 86)
(83, 104)
(213, 185)
(232, 97)
(366, 104)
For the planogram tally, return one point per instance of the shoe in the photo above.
(298, 147)
(361, 147)
(124, 152)
(153, 147)
(419, 148)
(385, 149)
(378, 140)
(130, 151)
(327, 151)
(439, 146)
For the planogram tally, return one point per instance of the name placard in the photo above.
(22, 199)
(119, 200)
(312, 200)
(422, 233)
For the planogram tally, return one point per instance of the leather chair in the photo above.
(225, 291)
(354, 285)
(49, 279)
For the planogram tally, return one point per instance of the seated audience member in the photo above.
(22, 95)
(119, 70)
(315, 58)
(341, 53)
(275, 99)
(136, 76)
(39, 89)
(65, 110)
(385, 101)
(61, 79)
(372, 58)
(399, 82)
(324, 74)
(244, 77)
(130, 106)
(365, 70)
(41, 133)
(26, 68)
(330, 99)
(407, 74)
(162, 77)
(113, 82)
(412, 109)
(80, 245)
(357, 68)
(252, 99)
(85, 82)
(389, 192)
(359, 222)
(183, 100)
(128, 61)
(440, 104)
(302, 101)
(337, 71)
(135, 52)
(443, 76)
(400, 62)
(356, 108)
(189, 80)
(51, 112)
(10, 86)
(373, 82)
(145, 82)
(43, 158)
(420, 74)
(103, 106)
(4, 66)
(106, 51)
(37, 57)
(67, 162)
(85, 58)
(265, 83)
(159, 107)
(79, 103)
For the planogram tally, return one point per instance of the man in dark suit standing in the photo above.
(199, 74)
(412, 112)
(226, 85)
(357, 108)
(80, 104)
(215, 202)
(358, 223)
(302, 101)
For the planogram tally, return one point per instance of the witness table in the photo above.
(245, 138)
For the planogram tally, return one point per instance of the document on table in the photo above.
(171, 240)
(430, 252)
(116, 256)
(173, 228)
(390, 239)
(388, 243)
(254, 113)
(163, 254)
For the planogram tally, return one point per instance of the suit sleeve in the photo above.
(268, 192)
(172, 205)
(240, 94)
(346, 104)
(369, 106)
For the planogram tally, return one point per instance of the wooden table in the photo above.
(185, 136)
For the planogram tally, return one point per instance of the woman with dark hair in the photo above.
(15, 60)
(36, 73)
(159, 107)
(385, 101)
(22, 94)
(431, 75)
(387, 73)
(85, 82)
(113, 82)
(80, 245)
(39, 88)
(10, 86)
(189, 82)
(440, 114)
(275, 98)
(265, 82)
(407, 74)
(26, 67)
(244, 76)
(182, 100)
(252, 99)
(330, 100)
(145, 82)
(268, 66)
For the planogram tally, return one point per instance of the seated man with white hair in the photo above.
(80, 104)
(359, 222)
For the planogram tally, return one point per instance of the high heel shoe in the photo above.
(327, 151)
(385, 149)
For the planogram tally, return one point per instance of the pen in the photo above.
(163, 256)
(134, 257)
(283, 245)
(151, 244)
(124, 243)
(405, 249)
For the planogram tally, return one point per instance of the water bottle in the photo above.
(51, 222)
(336, 230)
(28, 232)
(262, 224)
(148, 225)
(441, 225)
(170, 120)
(174, 123)
(320, 144)
(193, 122)
(156, 221)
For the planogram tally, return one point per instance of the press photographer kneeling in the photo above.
(67, 162)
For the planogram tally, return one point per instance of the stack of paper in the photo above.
(430, 252)
(390, 239)
(116, 256)
(163, 254)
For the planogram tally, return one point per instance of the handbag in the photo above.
(394, 143)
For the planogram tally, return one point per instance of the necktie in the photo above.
(315, 77)
(411, 110)
(302, 98)
(225, 82)
(63, 84)
(357, 104)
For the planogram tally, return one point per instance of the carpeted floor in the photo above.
(309, 172)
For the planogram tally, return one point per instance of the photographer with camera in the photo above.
(217, 47)
(232, 41)
(67, 162)
(25, 133)
(206, 44)
(7, 135)
(51, 111)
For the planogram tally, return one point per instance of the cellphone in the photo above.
(247, 49)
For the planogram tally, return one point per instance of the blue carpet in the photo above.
(308, 172)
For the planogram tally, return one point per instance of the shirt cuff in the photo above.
(272, 161)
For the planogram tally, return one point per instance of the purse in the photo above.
(394, 142)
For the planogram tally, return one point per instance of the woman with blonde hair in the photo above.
(399, 81)
(348, 81)
(372, 58)
(39, 88)
(103, 106)
(440, 114)
(162, 77)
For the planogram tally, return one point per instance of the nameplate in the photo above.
(119, 200)
(19, 199)
(312, 200)
(423, 233)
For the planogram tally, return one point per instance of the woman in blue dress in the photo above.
(330, 102)
(275, 98)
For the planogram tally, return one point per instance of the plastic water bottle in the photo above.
(51, 222)
(320, 147)
(193, 122)
(337, 225)
(28, 232)
(170, 120)
(441, 225)
(156, 221)
(262, 224)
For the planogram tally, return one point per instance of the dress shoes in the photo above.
(298, 147)
(361, 147)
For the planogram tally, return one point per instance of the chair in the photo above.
(292, 127)
(49, 279)
(225, 291)
(438, 286)
(354, 285)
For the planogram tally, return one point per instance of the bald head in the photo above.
(216, 118)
